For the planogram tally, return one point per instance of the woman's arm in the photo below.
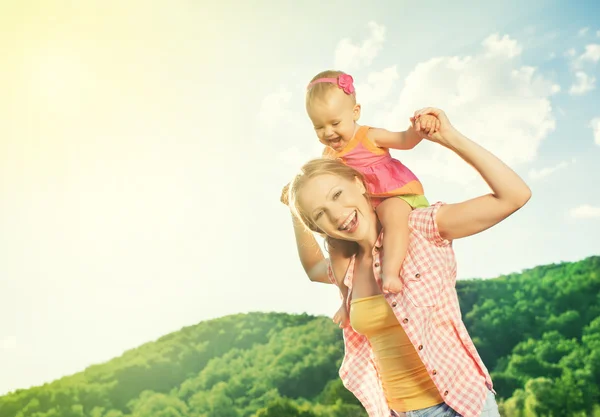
(311, 256)
(509, 191)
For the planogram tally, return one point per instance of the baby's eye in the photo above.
(318, 128)
(336, 123)
(336, 195)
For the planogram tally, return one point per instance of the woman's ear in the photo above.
(360, 184)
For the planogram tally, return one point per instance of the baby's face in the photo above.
(334, 118)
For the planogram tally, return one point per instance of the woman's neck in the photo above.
(366, 246)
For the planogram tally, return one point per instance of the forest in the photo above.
(537, 331)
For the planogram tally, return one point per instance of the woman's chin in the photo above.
(344, 236)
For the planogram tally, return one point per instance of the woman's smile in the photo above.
(350, 224)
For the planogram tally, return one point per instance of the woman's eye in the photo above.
(336, 195)
(318, 216)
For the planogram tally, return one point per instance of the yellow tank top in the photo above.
(405, 380)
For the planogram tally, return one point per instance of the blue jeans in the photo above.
(490, 409)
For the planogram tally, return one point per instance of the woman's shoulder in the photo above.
(423, 222)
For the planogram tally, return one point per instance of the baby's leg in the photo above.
(393, 213)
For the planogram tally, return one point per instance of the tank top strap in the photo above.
(359, 138)
(362, 137)
(361, 134)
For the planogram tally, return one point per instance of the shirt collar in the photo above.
(350, 273)
(379, 241)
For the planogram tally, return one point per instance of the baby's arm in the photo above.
(393, 214)
(404, 140)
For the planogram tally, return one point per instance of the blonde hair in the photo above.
(319, 91)
(312, 169)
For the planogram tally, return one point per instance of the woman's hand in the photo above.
(444, 131)
(284, 195)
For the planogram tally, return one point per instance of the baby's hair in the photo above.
(312, 169)
(319, 91)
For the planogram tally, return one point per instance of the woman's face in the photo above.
(338, 207)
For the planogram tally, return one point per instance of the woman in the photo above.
(406, 354)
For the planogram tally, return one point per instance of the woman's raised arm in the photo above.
(311, 256)
(508, 191)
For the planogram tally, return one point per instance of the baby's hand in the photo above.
(426, 124)
(341, 317)
(443, 132)
(391, 285)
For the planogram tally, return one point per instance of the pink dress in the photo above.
(384, 175)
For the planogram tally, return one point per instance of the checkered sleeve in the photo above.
(423, 221)
(330, 274)
(331, 277)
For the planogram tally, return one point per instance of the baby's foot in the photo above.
(341, 317)
(391, 285)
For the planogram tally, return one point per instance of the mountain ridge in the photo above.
(538, 332)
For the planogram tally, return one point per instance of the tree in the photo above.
(214, 403)
(284, 407)
(152, 404)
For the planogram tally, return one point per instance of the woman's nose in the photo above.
(336, 216)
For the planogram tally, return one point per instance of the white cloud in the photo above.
(585, 211)
(489, 97)
(502, 46)
(571, 52)
(287, 128)
(598, 33)
(378, 86)
(595, 125)
(591, 54)
(583, 31)
(350, 56)
(583, 84)
(538, 174)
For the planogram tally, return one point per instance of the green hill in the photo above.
(537, 331)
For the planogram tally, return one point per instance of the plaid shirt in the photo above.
(428, 310)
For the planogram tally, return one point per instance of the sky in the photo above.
(143, 146)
